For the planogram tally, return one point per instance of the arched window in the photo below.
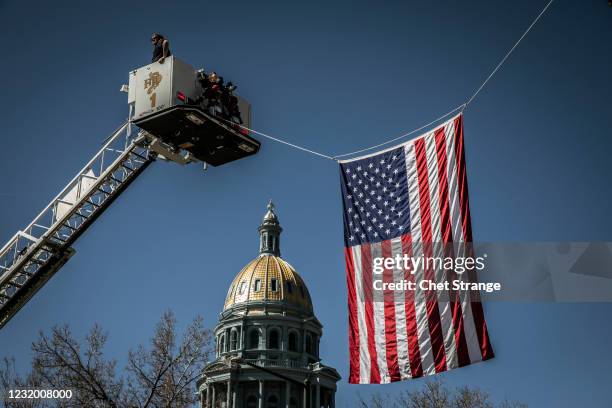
(272, 401)
(292, 402)
(254, 339)
(234, 340)
(293, 342)
(252, 401)
(289, 287)
(257, 285)
(273, 285)
(242, 287)
(222, 344)
(273, 342)
(308, 343)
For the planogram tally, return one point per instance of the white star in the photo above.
(376, 170)
(384, 189)
(383, 175)
(398, 199)
(379, 198)
(397, 185)
(394, 157)
(388, 166)
(401, 227)
(360, 195)
(372, 179)
(362, 222)
(380, 226)
(352, 238)
(362, 236)
(386, 203)
(393, 222)
(386, 216)
(390, 180)
(366, 187)
(378, 184)
(393, 208)
(356, 216)
(373, 206)
(370, 165)
(388, 231)
(395, 171)
(375, 234)
(380, 212)
(368, 214)
(391, 194)
(373, 220)
(372, 192)
(382, 161)
(350, 210)
(358, 168)
(359, 181)
(370, 228)
(399, 213)
(365, 174)
(349, 196)
(354, 175)
(367, 200)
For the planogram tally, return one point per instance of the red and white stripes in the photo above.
(397, 335)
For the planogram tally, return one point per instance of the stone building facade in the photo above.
(267, 338)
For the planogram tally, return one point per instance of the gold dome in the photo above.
(269, 278)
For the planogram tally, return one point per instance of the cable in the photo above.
(462, 106)
(279, 140)
(507, 55)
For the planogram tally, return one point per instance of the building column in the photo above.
(234, 396)
(208, 395)
(332, 399)
(305, 396)
(287, 393)
(214, 396)
(318, 395)
(229, 393)
(261, 392)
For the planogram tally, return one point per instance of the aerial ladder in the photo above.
(175, 124)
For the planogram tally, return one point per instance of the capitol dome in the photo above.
(269, 279)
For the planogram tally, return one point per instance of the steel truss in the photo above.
(34, 254)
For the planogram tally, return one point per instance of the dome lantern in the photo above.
(269, 233)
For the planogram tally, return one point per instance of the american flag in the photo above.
(395, 202)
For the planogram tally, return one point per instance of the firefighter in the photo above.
(161, 48)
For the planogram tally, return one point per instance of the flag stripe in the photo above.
(458, 244)
(400, 304)
(416, 368)
(444, 306)
(364, 349)
(446, 238)
(481, 325)
(422, 323)
(379, 322)
(433, 313)
(390, 322)
(353, 317)
(366, 268)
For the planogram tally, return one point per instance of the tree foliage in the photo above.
(435, 394)
(160, 375)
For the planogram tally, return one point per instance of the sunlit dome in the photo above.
(269, 279)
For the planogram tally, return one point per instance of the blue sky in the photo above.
(334, 77)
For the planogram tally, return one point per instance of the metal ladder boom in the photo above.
(31, 257)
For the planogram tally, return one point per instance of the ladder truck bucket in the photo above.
(165, 106)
